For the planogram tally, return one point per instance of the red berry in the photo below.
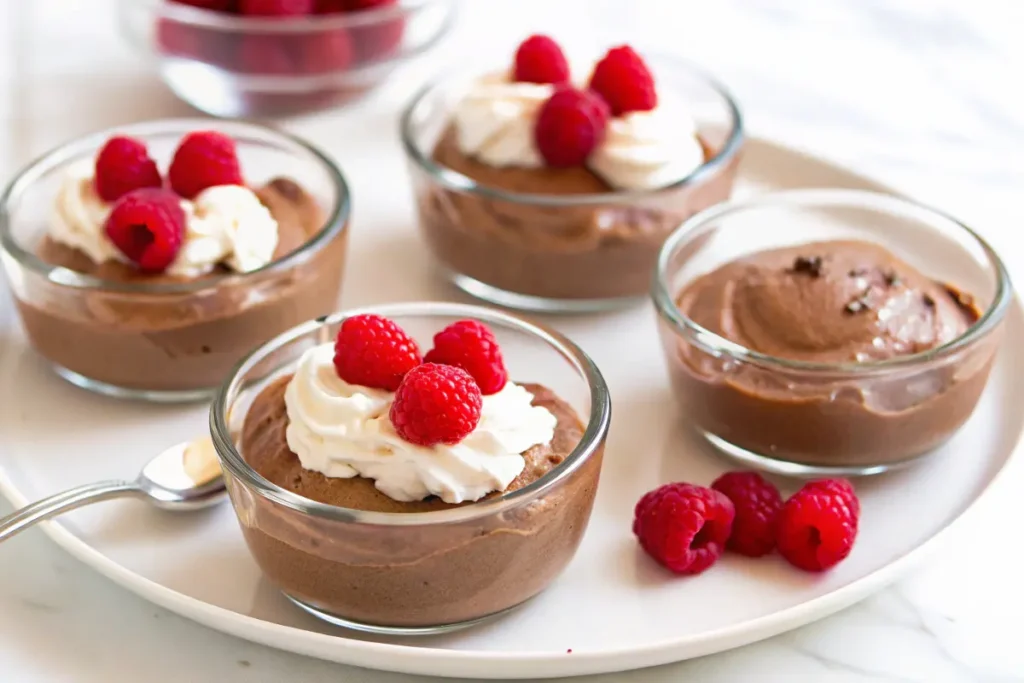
(818, 525)
(757, 504)
(624, 81)
(361, 5)
(123, 165)
(214, 5)
(276, 8)
(147, 226)
(204, 159)
(471, 345)
(569, 126)
(373, 351)
(684, 527)
(264, 54)
(539, 59)
(330, 6)
(326, 51)
(436, 404)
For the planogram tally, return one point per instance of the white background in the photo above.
(926, 96)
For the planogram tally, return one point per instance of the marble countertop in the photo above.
(922, 94)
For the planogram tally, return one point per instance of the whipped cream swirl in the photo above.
(224, 225)
(343, 430)
(494, 123)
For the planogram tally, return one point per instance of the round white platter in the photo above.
(613, 609)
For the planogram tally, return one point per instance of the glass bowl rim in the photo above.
(593, 436)
(711, 342)
(453, 180)
(334, 223)
(198, 17)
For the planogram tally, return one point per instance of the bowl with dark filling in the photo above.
(366, 522)
(517, 213)
(828, 331)
(139, 272)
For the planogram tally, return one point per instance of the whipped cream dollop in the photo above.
(343, 430)
(226, 225)
(494, 123)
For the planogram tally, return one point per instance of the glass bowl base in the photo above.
(151, 396)
(538, 304)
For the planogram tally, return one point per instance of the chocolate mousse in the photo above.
(433, 574)
(612, 209)
(838, 302)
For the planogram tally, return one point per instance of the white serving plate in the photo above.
(612, 610)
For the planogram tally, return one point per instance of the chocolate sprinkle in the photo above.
(892, 279)
(928, 301)
(857, 272)
(856, 306)
(809, 265)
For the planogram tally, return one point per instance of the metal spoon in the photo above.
(186, 476)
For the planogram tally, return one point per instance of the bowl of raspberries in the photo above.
(266, 58)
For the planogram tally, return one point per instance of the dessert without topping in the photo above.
(340, 431)
(614, 150)
(156, 285)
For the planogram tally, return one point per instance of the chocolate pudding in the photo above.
(418, 575)
(840, 302)
(183, 341)
(582, 251)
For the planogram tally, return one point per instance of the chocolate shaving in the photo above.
(857, 272)
(928, 300)
(892, 279)
(810, 265)
(856, 306)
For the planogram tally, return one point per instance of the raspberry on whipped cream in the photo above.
(344, 430)
(224, 225)
(650, 142)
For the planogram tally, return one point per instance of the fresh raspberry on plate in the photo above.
(436, 404)
(818, 525)
(147, 226)
(757, 504)
(373, 351)
(684, 527)
(122, 165)
(276, 8)
(326, 51)
(213, 5)
(624, 81)
(470, 345)
(204, 159)
(569, 126)
(539, 59)
(265, 55)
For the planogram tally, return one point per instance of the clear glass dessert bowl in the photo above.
(169, 340)
(848, 415)
(234, 66)
(562, 252)
(418, 572)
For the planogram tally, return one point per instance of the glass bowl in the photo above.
(422, 572)
(562, 253)
(234, 66)
(815, 418)
(171, 341)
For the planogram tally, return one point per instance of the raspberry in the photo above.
(204, 159)
(539, 59)
(123, 165)
(818, 525)
(361, 5)
(684, 527)
(331, 6)
(757, 504)
(263, 54)
(276, 8)
(373, 351)
(569, 126)
(147, 226)
(327, 51)
(471, 345)
(436, 404)
(624, 81)
(213, 5)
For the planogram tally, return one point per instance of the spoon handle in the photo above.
(19, 520)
